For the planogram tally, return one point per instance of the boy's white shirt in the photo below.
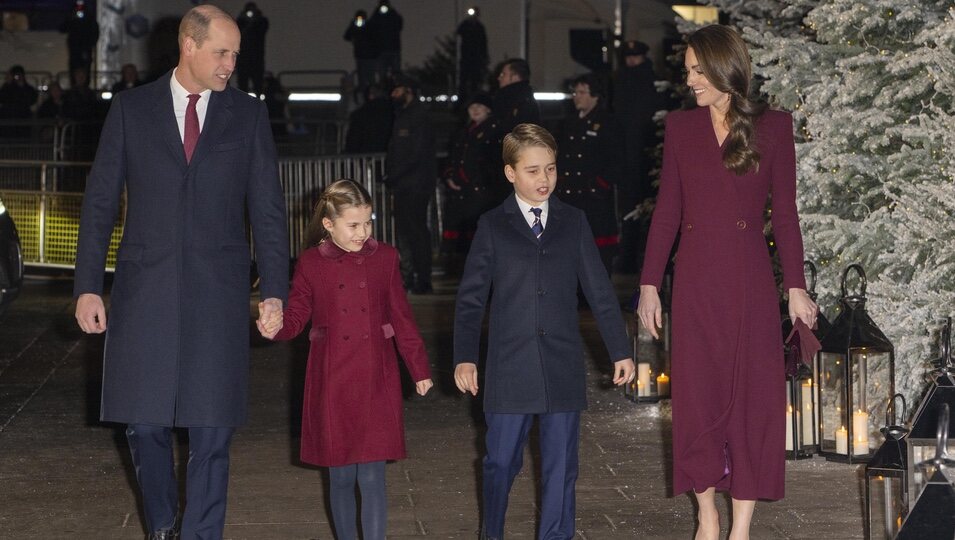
(528, 215)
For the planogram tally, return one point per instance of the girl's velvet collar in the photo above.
(330, 250)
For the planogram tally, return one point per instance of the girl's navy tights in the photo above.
(374, 507)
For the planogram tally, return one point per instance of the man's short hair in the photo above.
(195, 23)
(519, 67)
(593, 83)
(525, 136)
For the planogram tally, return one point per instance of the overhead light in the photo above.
(314, 96)
(550, 96)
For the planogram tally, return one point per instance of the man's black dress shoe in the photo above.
(164, 534)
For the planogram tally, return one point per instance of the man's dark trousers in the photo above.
(414, 237)
(506, 438)
(207, 478)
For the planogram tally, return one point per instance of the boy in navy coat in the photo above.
(533, 250)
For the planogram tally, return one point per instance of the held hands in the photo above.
(423, 386)
(649, 309)
(801, 306)
(623, 371)
(91, 313)
(466, 378)
(270, 319)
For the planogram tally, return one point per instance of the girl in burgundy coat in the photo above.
(721, 161)
(348, 287)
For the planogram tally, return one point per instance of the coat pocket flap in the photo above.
(226, 146)
(388, 330)
(316, 333)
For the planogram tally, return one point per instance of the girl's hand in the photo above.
(649, 309)
(423, 386)
(802, 307)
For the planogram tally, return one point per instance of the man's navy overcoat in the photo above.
(177, 341)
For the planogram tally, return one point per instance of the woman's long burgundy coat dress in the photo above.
(352, 412)
(727, 358)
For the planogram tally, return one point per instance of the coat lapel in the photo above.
(218, 118)
(517, 221)
(166, 121)
(555, 219)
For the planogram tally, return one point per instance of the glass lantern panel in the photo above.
(886, 506)
(652, 357)
(800, 413)
(870, 390)
(831, 377)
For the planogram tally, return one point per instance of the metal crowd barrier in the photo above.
(47, 215)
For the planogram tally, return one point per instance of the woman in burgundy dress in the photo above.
(721, 162)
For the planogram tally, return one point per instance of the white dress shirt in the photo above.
(180, 100)
(528, 215)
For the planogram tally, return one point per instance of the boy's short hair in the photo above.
(525, 136)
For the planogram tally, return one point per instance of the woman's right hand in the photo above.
(649, 309)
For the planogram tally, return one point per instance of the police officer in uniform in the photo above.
(589, 163)
(468, 177)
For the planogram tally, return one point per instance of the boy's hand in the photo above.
(623, 371)
(466, 377)
(91, 313)
(423, 386)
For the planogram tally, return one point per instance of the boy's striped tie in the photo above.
(537, 228)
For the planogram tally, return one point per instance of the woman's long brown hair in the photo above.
(726, 64)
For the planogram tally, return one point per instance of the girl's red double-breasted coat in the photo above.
(359, 313)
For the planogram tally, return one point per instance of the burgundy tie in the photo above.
(190, 134)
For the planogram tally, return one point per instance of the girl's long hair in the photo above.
(338, 196)
(726, 64)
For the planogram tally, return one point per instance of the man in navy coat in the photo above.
(533, 250)
(195, 157)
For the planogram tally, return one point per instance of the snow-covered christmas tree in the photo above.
(871, 84)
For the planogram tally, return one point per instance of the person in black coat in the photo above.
(129, 79)
(385, 25)
(467, 179)
(17, 97)
(513, 104)
(82, 34)
(364, 48)
(250, 65)
(410, 175)
(635, 101)
(473, 55)
(369, 126)
(590, 163)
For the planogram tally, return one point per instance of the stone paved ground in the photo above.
(64, 475)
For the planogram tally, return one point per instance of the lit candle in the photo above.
(842, 441)
(640, 388)
(808, 421)
(643, 375)
(860, 433)
(789, 427)
(663, 385)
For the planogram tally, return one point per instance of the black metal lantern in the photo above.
(652, 357)
(886, 480)
(922, 437)
(855, 374)
(933, 515)
(801, 405)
